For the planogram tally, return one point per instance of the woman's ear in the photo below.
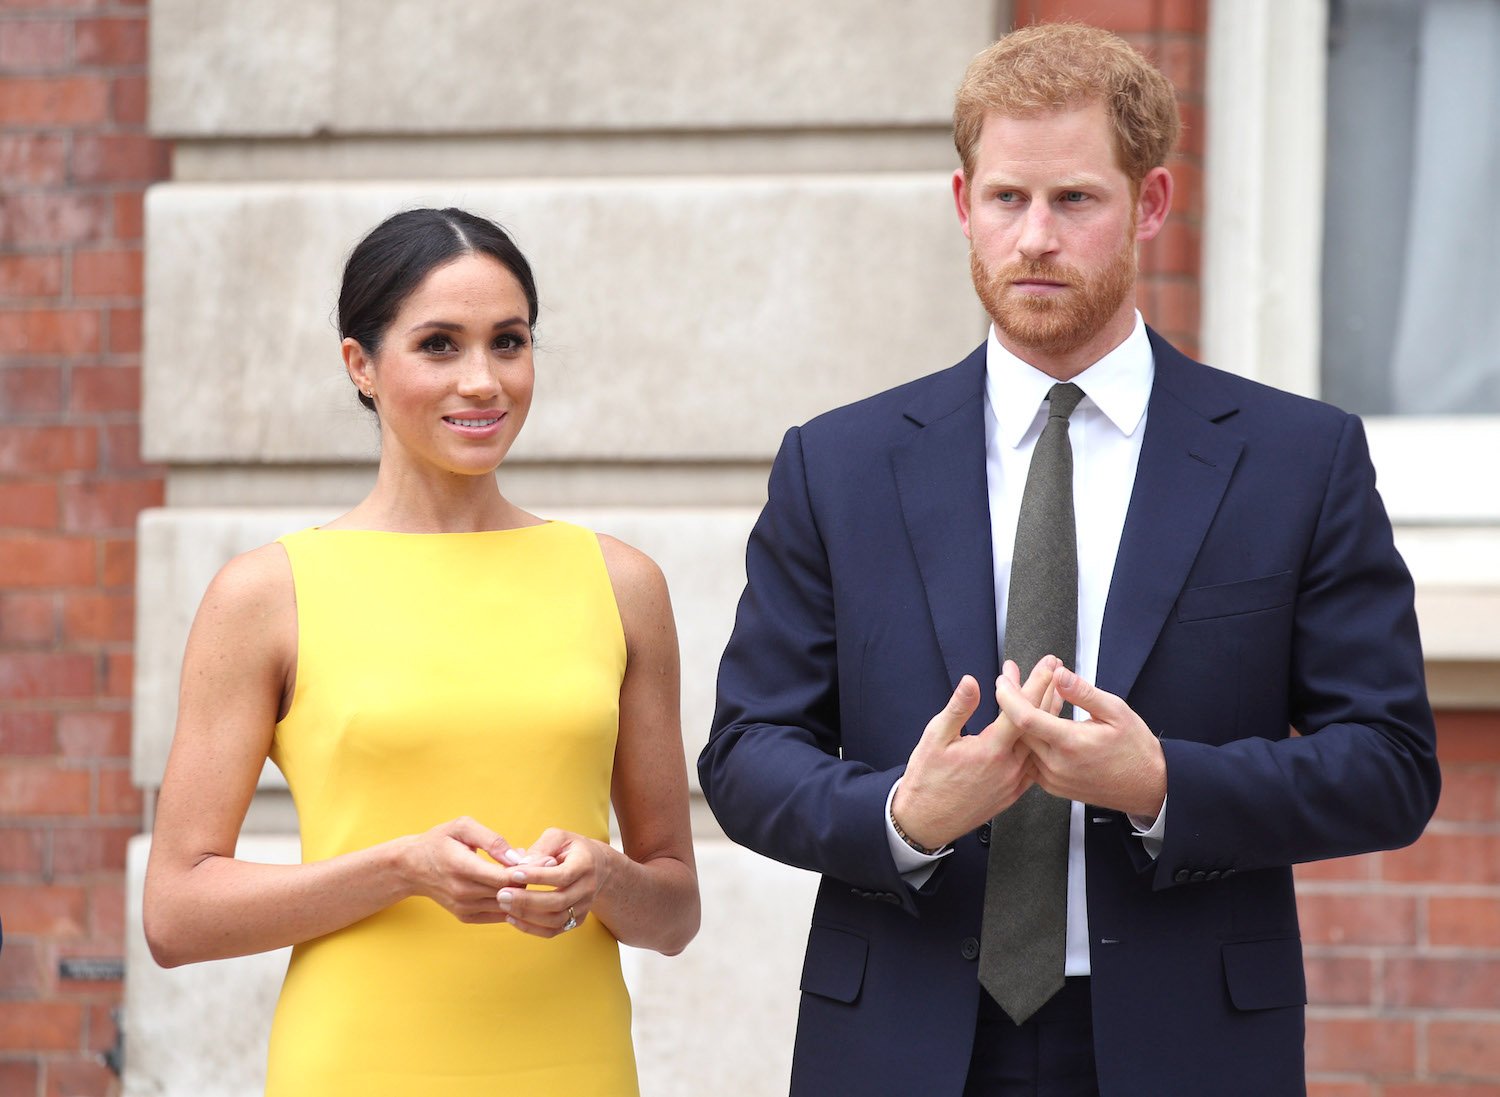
(359, 366)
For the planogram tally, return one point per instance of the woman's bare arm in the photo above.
(646, 895)
(201, 903)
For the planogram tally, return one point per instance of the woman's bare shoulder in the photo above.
(632, 572)
(258, 579)
(251, 596)
(639, 585)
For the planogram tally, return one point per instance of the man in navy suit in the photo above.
(1246, 685)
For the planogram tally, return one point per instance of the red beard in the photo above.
(1056, 323)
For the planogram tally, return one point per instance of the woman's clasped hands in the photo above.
(555, 883)
(539, 890)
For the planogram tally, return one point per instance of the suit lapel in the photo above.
(1187, 459)
(940, 479)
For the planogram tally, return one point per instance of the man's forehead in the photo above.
(1068, 136)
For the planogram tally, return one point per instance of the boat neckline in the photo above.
(438, 533)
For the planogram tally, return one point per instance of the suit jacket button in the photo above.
(1182, 876)
(890, 897)
(1227, 873)
(984, 834)
(861, 892)
(970, 948)
(1199, 876)
(1212, 875)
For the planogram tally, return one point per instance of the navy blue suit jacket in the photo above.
(1259, 620)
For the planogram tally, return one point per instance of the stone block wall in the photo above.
(739, 216)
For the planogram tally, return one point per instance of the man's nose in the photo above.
(1038, 232)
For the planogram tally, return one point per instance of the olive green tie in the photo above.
(1026, 888)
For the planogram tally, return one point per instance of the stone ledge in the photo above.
(1416, 456)
(293, 67)
(427, 156)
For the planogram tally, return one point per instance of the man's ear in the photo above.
(961, 200)
(1152, 204)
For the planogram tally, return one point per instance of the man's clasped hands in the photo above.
(955, 782)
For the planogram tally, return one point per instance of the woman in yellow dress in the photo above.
(433, 670)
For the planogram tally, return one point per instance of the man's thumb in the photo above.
(949, 723)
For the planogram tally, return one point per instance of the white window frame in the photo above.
(1263, 238)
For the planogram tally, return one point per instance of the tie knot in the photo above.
(1062, 399)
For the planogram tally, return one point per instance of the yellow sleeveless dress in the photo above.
(441, 675)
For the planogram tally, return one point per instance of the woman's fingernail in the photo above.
(518, 877)
(505, 896)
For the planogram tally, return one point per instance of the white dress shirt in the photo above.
(1105, 431)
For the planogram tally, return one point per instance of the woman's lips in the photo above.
(475, 425)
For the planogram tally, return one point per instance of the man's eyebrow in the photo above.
(1071, 182)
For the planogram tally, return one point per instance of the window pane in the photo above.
(1411, 250)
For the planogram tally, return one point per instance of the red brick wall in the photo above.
(74, 162)
(1403, 948)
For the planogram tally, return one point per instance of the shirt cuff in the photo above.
(1151, 833)
(915, 868)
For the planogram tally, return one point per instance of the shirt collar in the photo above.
(1119, 385)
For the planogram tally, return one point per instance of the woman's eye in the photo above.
(435, 344)
(509, 342)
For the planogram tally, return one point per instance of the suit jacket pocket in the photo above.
(835, 963)
(1229, 599)
(1265, 974)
